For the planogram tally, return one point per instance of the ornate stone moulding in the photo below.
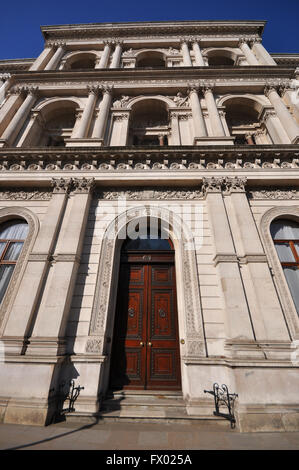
(145, 29)
(142, 160)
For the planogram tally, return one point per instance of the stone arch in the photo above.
(188, 295)
(286, 212)
(54, 113)
(221, 56)
(132, 102)
(149, 120)
(32, 220)
(86, 58)
(243, 117)
(150, 58)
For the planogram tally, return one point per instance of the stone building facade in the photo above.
(191, 127)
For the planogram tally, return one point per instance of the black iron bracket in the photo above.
(222, 397)
(71, 395)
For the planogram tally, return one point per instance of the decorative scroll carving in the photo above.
(20, 194)
(83, 185)
(149, 193)
(122, 102)
(274, 193)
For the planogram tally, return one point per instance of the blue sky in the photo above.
(20, 21)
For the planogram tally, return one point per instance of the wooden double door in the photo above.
(145, 350)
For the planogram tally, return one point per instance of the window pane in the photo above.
(2, 246)
(13, 251)
(5, 275)
(292, 277)
(147, 244)
(284, 229)
(14, 230)
(284, 252)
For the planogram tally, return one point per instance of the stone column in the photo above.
(197, 53)
(9, 108)
(43, 58)
(237, 316)
(216, 124)
(105, 56)
(22, 316)
(84, 124)
(286, 119)
(20, 116)
(274, 128)
(175, 129)
(54, 61)
(117, 55)
(48, 335)
(263, 55)
(101, 121)
(249, 55)
(185, 52)
(4, 84)
(197, 115)
(267, 316)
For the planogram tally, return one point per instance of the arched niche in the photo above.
(80, 61)
(55, 120)
(243, 117)
(149, 122)
(150, 59)
(221, 57)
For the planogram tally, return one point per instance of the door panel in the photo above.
(145, 352)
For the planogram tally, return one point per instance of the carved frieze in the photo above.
(274, 193)
(21, 194)
(150, 193)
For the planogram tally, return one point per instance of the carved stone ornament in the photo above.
(275, 193)
(149, 193)
(20, 194)
(61, 185)
(83, 185)
(94, 345)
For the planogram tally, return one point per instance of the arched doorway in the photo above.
(145, 349)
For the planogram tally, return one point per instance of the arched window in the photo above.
(285, 234)
(12, 236)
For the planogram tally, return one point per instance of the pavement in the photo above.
(139, 436)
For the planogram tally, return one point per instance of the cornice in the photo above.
(179, 76)
(103, 30)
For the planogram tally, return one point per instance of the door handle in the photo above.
(149, 344)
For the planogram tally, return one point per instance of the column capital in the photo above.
(61, 185)
(5, 76)
(193, 87)
(207, 86)
(108, 42)
(271, 87)
(93, 89)
(255, 40)
(117, 42)
(234, 184)
(55, 44)
(106, 88)
(185, 39)
(25, 90)
(83, 185)
(212, 184)
(195, 39)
